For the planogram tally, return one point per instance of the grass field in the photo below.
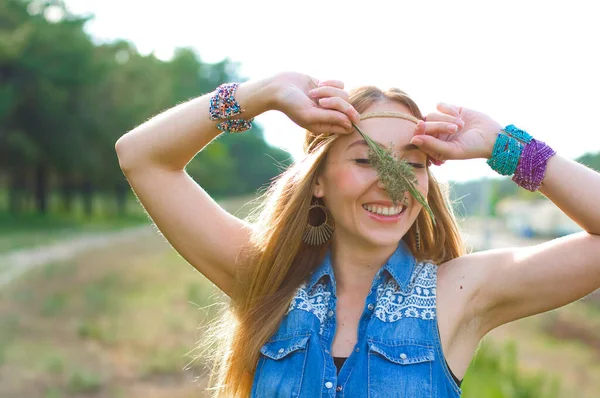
(121, 322)
(110, 323)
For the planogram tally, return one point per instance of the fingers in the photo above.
(328, 91)
(335, 114)
(324, 94)
(435, 128)
(334, 83)
(436, 148)
(341, 105)
(442, 117)
(449, 109)
(329, 128)
(329, 121)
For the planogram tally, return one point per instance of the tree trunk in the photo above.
(16, 191)
(121, 196)
(41, 188)
(87, 190)
(67, 193)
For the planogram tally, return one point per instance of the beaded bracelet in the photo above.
(532, 168)
(505, 155)
(223, 106)
(527, 163)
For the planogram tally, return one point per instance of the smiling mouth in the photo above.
(384, 211)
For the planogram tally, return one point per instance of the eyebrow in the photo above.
(405, 148)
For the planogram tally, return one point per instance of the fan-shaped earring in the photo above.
(418, 237)
(317, 235)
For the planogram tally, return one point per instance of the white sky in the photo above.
(531, 63)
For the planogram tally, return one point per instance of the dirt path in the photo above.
(16, 263)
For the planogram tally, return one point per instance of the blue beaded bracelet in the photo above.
(517, 133)
(505, 155)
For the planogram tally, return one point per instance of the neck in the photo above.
(355, 265)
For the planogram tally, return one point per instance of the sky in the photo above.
(530, 63)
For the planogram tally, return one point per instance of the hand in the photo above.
(467, 134)
(320, 107)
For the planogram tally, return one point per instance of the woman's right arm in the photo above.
(153, 157)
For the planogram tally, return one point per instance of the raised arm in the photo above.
(513, 283)
(153, 157)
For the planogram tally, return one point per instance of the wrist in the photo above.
(490, 137)
(256, 96)
(490, 141)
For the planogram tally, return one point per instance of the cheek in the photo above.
(350, 181)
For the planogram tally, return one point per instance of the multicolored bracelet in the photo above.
(527, 163)
(223, 106)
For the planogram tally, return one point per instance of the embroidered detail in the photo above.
(315, 301)
(418, 302)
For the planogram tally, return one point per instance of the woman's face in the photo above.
(347, 185)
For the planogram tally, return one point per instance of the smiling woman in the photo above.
(378, 284)
(290, 304)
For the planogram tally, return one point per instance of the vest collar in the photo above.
(400, 265)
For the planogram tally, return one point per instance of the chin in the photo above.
(384, 239)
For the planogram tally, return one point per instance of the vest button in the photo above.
(329, 384)
(280, 350)
(330, 313)
(403, 356)
(370, 307)
(339, 388)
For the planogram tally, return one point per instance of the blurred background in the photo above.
(95, 303)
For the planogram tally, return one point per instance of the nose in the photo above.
(380, 184)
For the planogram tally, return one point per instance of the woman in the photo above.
(368, 304)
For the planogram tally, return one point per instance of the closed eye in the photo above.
(367, 161)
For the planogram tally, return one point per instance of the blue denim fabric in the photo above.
(398, 352)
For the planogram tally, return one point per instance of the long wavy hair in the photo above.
(276, 261)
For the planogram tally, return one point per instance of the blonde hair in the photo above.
(276, 260)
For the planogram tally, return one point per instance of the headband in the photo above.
(404, 116)
(400, 115)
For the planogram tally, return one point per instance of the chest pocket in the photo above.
(280, 368)
(400, 369)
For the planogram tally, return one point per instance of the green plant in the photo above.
(494, 373)
(81, 381)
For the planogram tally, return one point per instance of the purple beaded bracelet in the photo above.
(531, 169)
(223, 106)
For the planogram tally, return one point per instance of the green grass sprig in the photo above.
(396, 173)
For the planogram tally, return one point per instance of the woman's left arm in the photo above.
(512, 283)
(575, 189)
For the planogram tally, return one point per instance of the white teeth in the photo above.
(386, 211)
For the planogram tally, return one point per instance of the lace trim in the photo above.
(316, 301)
(392, 304)
(419, 302)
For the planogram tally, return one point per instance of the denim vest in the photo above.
(398, 352)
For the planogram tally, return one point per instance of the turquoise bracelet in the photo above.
(518, 133)
(505, 155)
(527, 162)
